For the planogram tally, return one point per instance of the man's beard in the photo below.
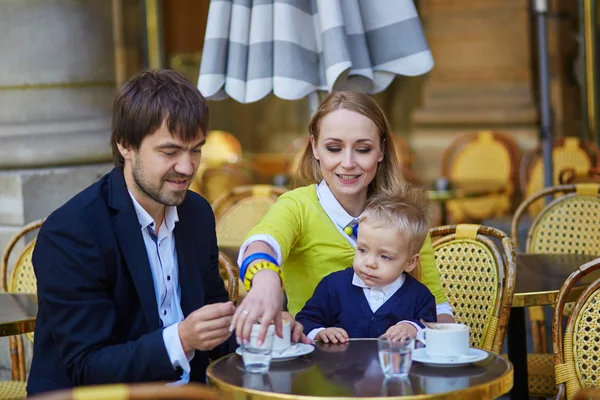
(158, 194)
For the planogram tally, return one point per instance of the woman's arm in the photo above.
(264, 301)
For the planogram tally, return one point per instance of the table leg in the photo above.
(517, 352)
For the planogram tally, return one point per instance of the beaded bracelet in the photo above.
(253, 257)
(259, 267)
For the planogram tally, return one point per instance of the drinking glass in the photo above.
(257, 359)
(396, 387)
(395, 357)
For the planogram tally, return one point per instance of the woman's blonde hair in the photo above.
(388, 175)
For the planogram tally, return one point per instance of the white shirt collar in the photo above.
(145, 219)
(332, 206)
(388, 290)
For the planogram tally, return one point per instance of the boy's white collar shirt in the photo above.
(376, 296)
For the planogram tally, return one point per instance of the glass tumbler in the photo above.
(395, 357)
(257, 359)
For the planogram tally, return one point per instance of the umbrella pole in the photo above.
(541, 10)
(313, 102)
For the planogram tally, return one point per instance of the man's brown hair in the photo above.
(150, 98)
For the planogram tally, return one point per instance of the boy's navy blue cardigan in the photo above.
(336, 302)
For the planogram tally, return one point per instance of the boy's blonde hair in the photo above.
(406, 209)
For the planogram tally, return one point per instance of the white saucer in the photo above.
(473, 355)
(294, 351)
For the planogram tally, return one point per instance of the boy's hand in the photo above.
(332, 335)
(400, 331)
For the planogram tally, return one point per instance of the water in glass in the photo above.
(395, 357)
(257, 359)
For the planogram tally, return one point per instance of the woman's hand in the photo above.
(263, 301)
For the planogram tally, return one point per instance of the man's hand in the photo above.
(400, 331)
(264, 301)
(207, 327)
(296, 329)
(332, 335)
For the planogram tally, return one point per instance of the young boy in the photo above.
(377, 296)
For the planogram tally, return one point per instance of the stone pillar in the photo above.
(481, 79)
(56, 89)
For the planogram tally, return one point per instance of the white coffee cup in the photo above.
(279, 344)
(446, 341)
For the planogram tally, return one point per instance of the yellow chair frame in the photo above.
(479, 280)
(135, 391)
(231, 274)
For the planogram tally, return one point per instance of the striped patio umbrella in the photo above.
(295, 47)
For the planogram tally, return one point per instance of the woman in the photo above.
(310, 231)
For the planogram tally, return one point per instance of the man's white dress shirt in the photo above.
(162, 256)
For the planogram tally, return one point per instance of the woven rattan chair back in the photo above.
(240, 210)
(577, 354)
(567, 225)
(482, 157)
(231, 276)
(136, 391)
(214, 181)
(221, 147)
(478, 278)
(567, 153)
(21, 280)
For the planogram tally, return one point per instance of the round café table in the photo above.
(352, 370)
(17, 313)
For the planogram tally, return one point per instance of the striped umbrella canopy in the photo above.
(295, 47)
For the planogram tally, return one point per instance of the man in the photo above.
(127, 270)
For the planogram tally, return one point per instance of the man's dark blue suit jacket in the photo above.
(98, 319)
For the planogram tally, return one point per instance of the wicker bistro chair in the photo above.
(482, 157)
(213, 181)
(567, 153)
(231, 276)
(478, 279)
(567, 225)
(577, 355)
(21, 280)
(239, 210)
(137, 391)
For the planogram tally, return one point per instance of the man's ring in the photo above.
(245, 312)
